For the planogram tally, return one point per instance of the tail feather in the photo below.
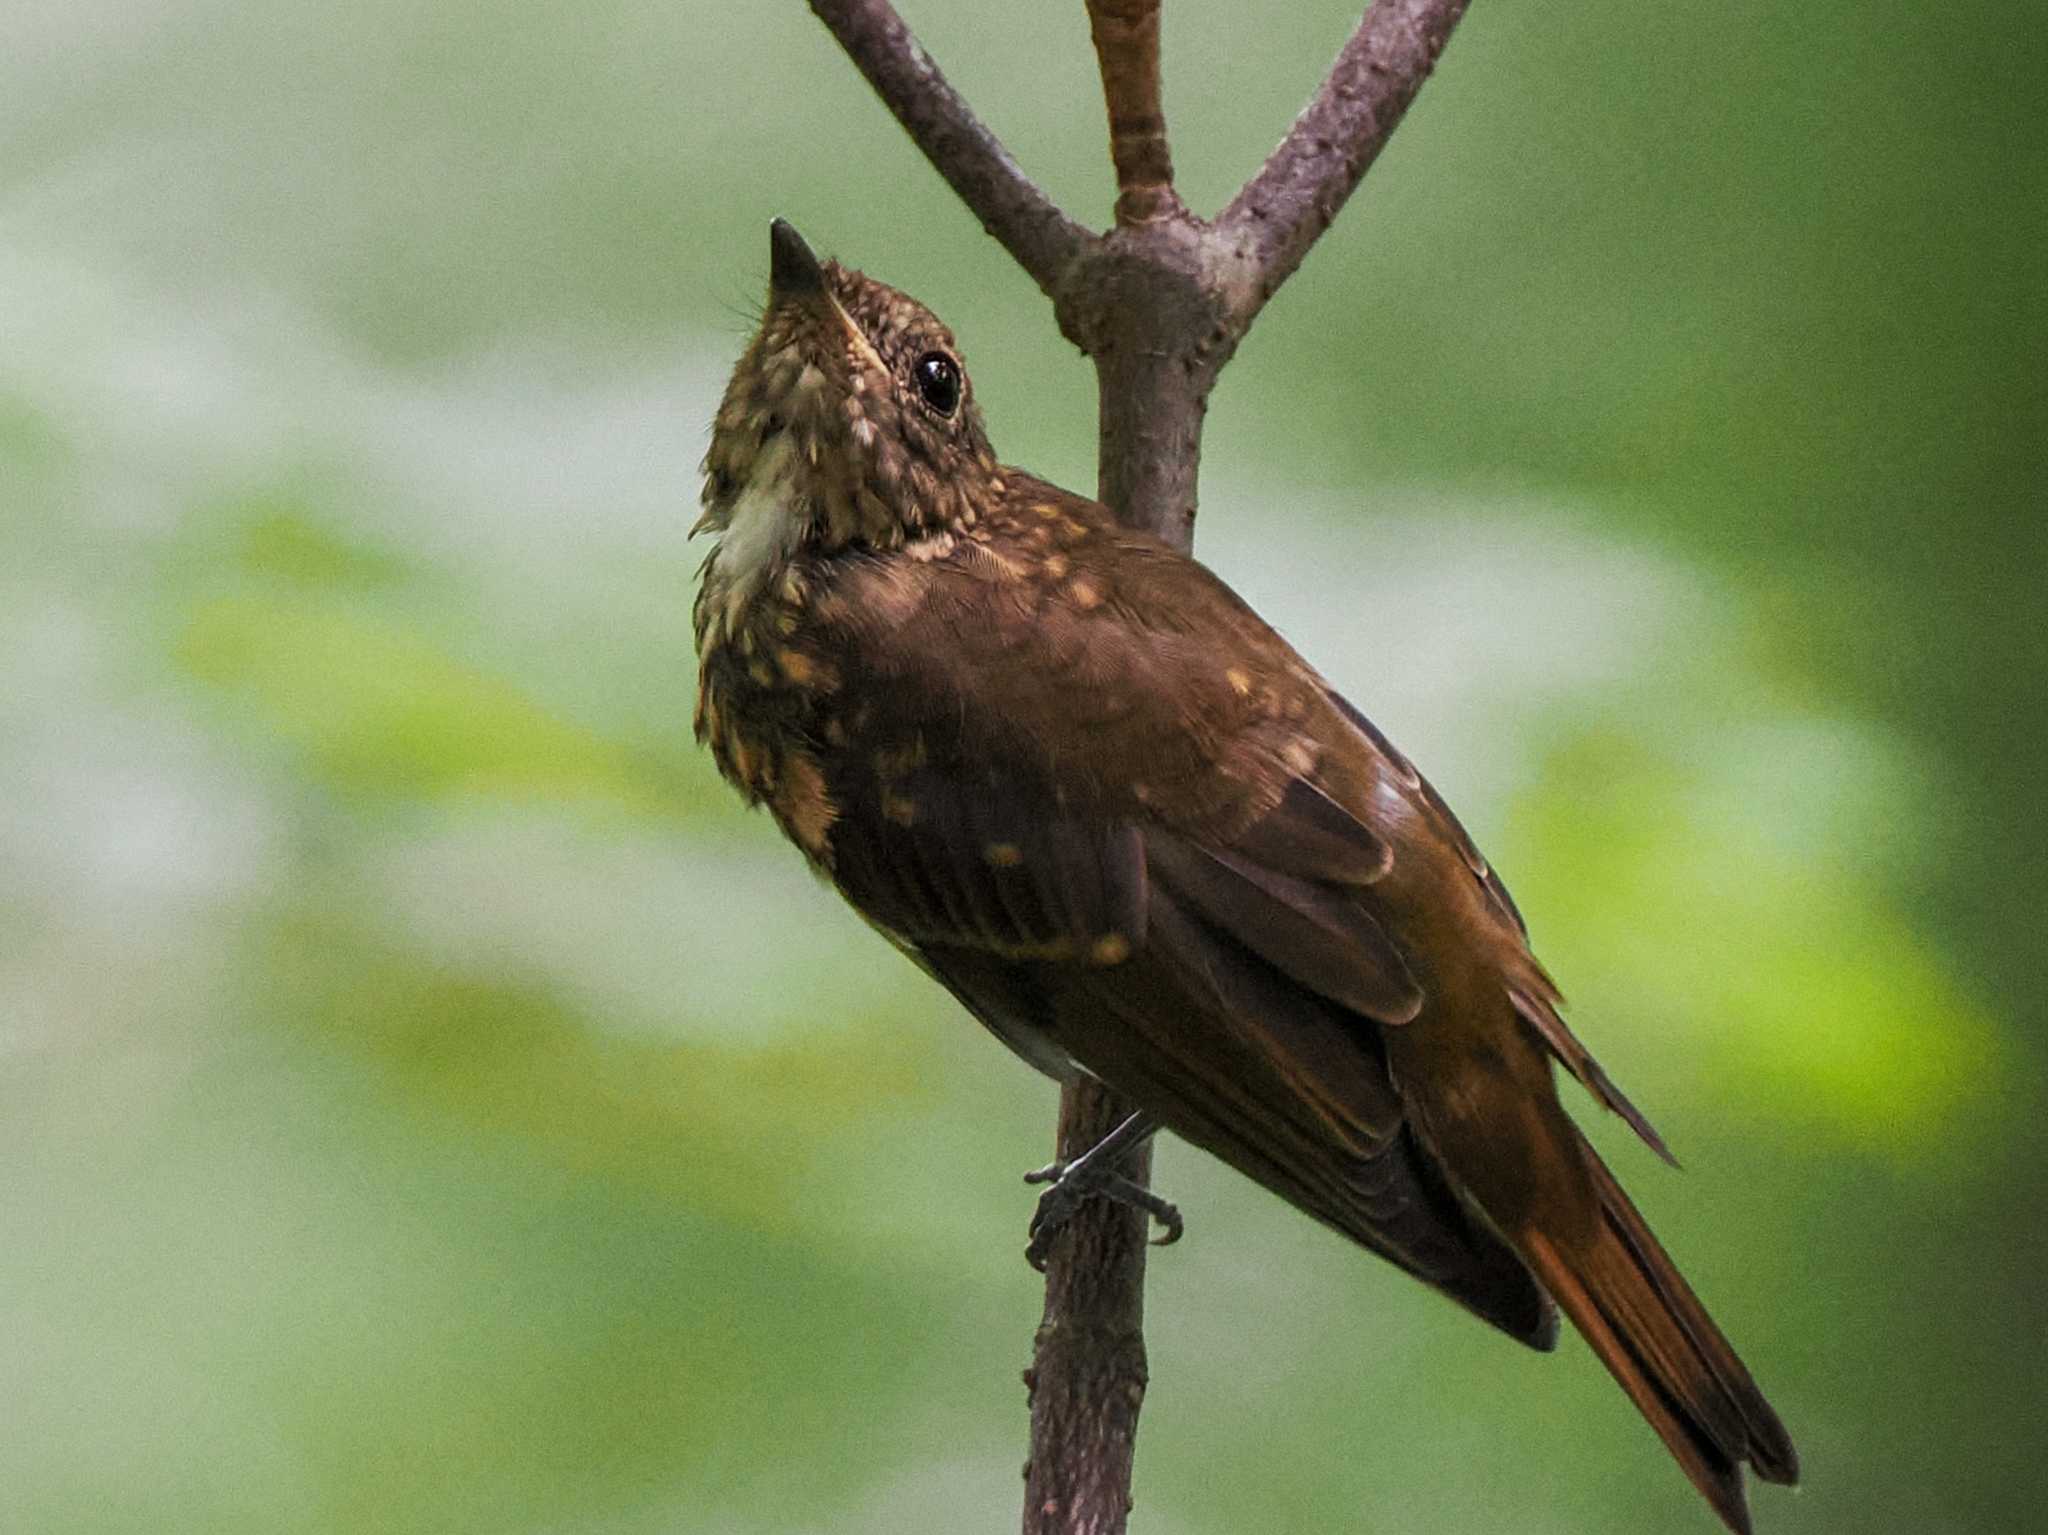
(1625, 1295)
(1766, 1444)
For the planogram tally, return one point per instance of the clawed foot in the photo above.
(1093, 1174)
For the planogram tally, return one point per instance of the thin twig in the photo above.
(1029, 224)
(1297, 192)
(1126, 34)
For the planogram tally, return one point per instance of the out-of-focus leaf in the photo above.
(279, 538)
(379, 707)
(712, 1123)
(1720, 926)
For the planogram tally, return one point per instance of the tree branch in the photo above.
(1160, 304)
(1126, 34)
(1087, 1376)
(1297, 192)
(1029, 224)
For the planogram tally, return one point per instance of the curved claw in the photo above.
(1058, 1204)
(1094, 1172)
(1172, 1227)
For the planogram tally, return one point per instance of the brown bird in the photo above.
(1073, 776)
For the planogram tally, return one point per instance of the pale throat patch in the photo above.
(762, 529)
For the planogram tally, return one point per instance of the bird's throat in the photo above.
(759, 530)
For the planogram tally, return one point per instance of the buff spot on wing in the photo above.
(1056, 566)
(1110, 949)
(748, 766)
(804, 671)
(1003, 855)
(1084, 594)
(1240, 681)
(993, 558)
(805, 803)
(1048, 510)
(1300, 757)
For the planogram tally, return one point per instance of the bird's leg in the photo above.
(1094, 1172)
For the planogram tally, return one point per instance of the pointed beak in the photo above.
(793, 271)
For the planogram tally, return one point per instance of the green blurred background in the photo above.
(428, 1103)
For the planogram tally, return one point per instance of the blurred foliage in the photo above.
(429, 1103)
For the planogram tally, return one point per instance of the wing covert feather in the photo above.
(991, 865)
(1151, 850)
(1318, 934)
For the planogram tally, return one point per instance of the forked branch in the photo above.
(1160, 304)
(1274, 218)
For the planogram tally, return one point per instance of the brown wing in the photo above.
(1177, 900)
(1149, 963)
(1532, 993)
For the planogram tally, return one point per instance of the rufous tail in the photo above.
(1627, 1297)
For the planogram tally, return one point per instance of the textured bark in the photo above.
(1087, 1376)
(1145, 305)
(1160, 303)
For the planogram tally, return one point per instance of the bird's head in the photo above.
(849, 420)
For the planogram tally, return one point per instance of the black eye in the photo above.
(938, 382)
